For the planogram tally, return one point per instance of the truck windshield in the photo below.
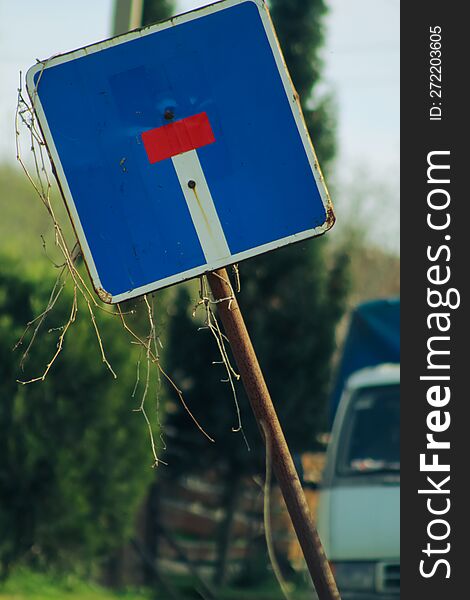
(371, 440)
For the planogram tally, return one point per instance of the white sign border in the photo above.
(63, 184)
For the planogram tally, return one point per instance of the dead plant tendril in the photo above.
(206, 302)
(37, 170)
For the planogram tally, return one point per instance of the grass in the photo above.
(28, 585)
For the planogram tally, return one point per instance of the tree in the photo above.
(301, 32)
(292, 300)
(74, 459)
(157, 10)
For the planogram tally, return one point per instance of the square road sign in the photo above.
(180, 148)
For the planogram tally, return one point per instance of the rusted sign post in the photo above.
(266, 417)
(181, 148)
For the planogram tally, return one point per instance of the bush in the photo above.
(75, 461)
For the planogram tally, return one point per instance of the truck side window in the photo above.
(371, 440)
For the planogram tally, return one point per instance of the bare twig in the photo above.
(156, 360)
(73, 314)
(211, 323)
(38, 176)
(25, 114)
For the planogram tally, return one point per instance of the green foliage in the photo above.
(292, 302)
(27, 584)
(74, 458)
(301, 31)
(157, 10)
(25, 222)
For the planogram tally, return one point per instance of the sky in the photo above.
(361, 58)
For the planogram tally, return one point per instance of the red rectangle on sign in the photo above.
(178, 137)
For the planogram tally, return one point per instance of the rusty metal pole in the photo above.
(266, 417)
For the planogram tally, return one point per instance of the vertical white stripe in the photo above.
(201, 206)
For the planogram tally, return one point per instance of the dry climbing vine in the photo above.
(37, 170)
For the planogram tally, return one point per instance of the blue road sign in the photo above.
(180, 148)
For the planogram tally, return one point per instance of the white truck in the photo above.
(359, 505)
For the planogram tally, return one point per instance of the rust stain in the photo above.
(104, 295)
(330, 217)
(206, 220)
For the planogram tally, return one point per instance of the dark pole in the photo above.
(266, 417)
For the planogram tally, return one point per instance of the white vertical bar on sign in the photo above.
(201, 206)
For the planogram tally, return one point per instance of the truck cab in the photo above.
(359, 504)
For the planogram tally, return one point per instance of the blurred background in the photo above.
(82, 512)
